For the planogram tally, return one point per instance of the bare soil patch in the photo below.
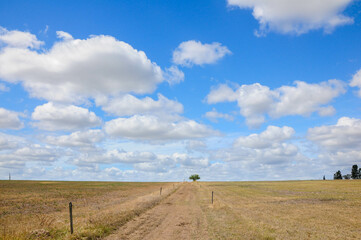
(177, 217)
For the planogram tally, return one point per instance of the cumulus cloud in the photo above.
(173, 75)
(340, 144)
(305, 98)
(340, 159)
(115, 156)
(196, 145)
(26, 154)
(268, 148)
(271, 136)
(186, 160)
(142, 161)
(345, 134)
(256, 100)
(53, 117)
(76, 69)
(10, 119)
(356, 81)
(80, 139)
(195, 53)
(64, 35)
(214, 116)
(7, 142)
(18, 39)
(221, 93)
(128, 105)
(326, 111)
(36, 153)
(294, 16)
(154, 128)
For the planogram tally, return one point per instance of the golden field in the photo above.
(40, 209)
(241, 210)
(285, 210)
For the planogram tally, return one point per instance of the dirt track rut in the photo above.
(177, 217)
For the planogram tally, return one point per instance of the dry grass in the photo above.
(39, 210)
(283, 210)
(241, 210)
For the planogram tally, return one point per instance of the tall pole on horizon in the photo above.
(9, 176)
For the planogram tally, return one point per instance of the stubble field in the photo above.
(241, 210)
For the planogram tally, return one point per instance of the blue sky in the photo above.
(159, 90)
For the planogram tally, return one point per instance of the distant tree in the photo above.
(324, 177)
(337, 175)
(347, 176)
(355, 172)
(194, 177)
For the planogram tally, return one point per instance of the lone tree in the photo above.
(337, 175)
(194, 177)
(354, 172)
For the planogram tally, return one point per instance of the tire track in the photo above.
(177, 217)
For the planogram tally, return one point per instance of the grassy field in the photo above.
(241, 210)
(39, 209)
(284, 210)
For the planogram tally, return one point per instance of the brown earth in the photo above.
(177, 217)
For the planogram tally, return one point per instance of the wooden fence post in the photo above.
(212, 197)
(160, 191)
(71, 217)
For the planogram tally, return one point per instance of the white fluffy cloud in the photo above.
(115, 156)
(36, 153)
(271, 136)
(154, 128)
(26, 154)
(356, 81)
(196, 145)
(346, 134)
(84, 139)
(339, 144)
(305, 98)
(221, 93)
(267, 148)
(64, 35)
(7, 142)
(195, 53)
(173, 75)
(256, 100)
(128, 105)
(214, 116)
(18, 39)
(76, 69)
(143, 161)
(54, 117)
(10, 119)
(294, 16)
(186, 160)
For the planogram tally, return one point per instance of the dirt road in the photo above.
(177, 217)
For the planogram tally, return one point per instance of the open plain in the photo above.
(241, 210)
